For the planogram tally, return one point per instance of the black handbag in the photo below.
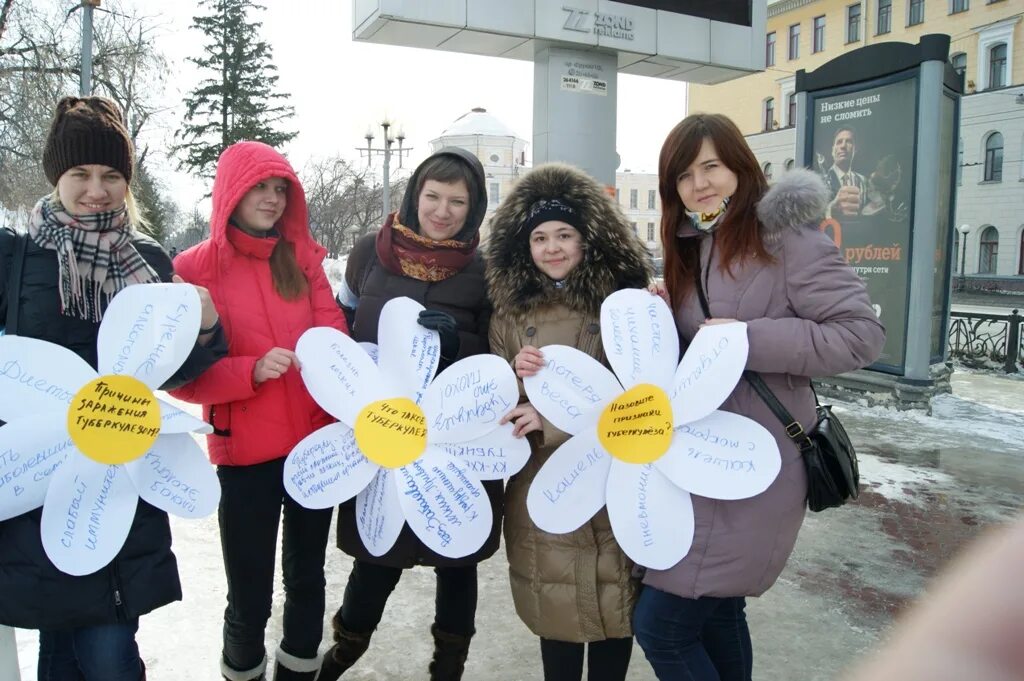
(833, 476)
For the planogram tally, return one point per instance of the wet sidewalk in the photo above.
(930, 485)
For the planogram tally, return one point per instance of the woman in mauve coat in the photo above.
(757, 254)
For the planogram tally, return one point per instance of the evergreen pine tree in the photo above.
(238, 100)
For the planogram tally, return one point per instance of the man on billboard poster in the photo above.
(846, 187)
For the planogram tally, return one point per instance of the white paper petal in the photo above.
(37, 376)
(468, 399)
(174, 420)
(175, 476)
(652, 519)
(371, 349)
(571, 388)
(326, 468)
(444, 505)
(148, 331)
(494, 456)
(408, 354)
(379, 516)
(31, 449)
(639, 337)
(570, 487)
(338, 373)
(722, 456)
(87, 514)
(709, 371)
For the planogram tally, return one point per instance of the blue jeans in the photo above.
(103, 653)
(685, 639)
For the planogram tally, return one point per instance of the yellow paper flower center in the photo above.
(392, 432)
(636, 427)
(114, 419)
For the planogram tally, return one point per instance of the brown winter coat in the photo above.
(369, 286)
(576, 586)
(807, 314)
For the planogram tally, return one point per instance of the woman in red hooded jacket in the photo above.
(264, 271)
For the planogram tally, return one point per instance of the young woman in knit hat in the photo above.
(558, 247)
(265, 272)
(426, 251)
(81, 249)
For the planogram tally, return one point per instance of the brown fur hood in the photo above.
(614, 257)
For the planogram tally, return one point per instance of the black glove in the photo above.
(444, 324)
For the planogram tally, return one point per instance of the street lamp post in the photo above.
(964, 230)
(386, 151)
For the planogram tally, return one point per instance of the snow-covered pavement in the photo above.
(931, 483)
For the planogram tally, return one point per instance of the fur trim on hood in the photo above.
(614, 257)
(798, 199)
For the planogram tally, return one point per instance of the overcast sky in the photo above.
(339, 86)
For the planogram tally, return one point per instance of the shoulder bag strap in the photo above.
(14, 284)
(794, 430)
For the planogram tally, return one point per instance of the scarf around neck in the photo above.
(95, 256)
(707, 222)
(404, 252)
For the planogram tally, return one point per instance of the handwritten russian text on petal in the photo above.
(175, 476)
(468, 399)
(494, 456)
(338, 373)
(379, 516)
(326, 468)
(408, 353)
(570, 487)
(37, 376)
(639, 337)
(709, 371)
(571, 388)
(31, 449)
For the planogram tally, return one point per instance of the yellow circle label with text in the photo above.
(392, 433)
(637, 426)
(114, 419)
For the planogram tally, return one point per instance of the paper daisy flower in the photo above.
(409, 447)
(649, 435)
(86, 445)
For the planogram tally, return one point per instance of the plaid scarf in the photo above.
(404, 252)
(95, 256)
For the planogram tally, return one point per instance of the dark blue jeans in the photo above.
(252, 503)
(103, 653)
(693, 640)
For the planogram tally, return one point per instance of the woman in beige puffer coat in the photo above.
(558, 247)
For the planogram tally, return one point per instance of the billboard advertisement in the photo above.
(862, 144)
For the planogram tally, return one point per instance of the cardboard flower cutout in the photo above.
(86, 445)
(649, 435)
(410, 447)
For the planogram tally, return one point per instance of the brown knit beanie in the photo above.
(87, 130)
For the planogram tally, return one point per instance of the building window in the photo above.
(818, 43)
(767, 171)
(884, 23)
(956, 6)
(997, 66)
(994, 158)
(618, 199)
(989, 250)
(495, 158)
(651, 199)
(915, 12)
(791, 109)
(1020, 262)
(769, 50)
(853, 23)
(789, 163)
(959, 62)
(633, 225)
(794, 41)
(632, 199)
(650, 231)
(769, 114)
(495, 193)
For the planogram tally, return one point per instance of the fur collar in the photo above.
(614, 257)
(798, 199)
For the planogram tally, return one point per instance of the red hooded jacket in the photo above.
(256, 423)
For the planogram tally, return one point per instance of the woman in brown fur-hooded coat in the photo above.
(573, 587)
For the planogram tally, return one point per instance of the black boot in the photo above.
(348, 647)
(288, 667)
(254, 674)
(450, 653)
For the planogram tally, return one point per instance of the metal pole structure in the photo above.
(85, 84)
(9, 668)
(964, 231)
(386, 124)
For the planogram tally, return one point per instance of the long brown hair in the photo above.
(739, 235)
(289, 279)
